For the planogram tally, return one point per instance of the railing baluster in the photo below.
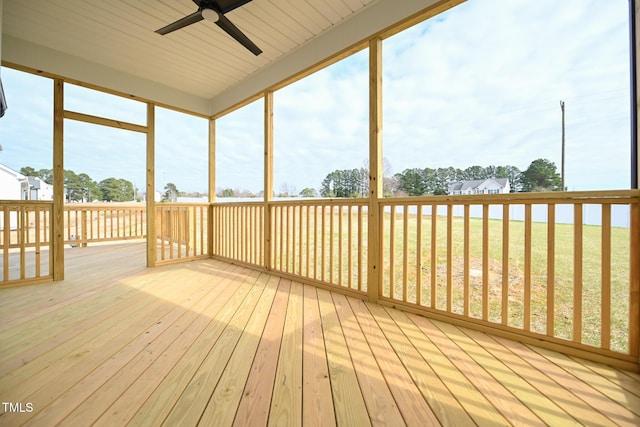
(260, 237)
(331, 243)
(419, 254)
(218, 238)
(485, 262)
(577, 273)
(551, 268)
(307, 271)
(204, 219)
(466, 299)
(170, 222)
(339, 245)
(392, 261)
(449, 257)
(315, 242)
(290, 248)
(322, 247)
(350, 246)
(228, 232)
(37, 237)
(405, 253)
(241, 232)
(504, 313)
(6, 213)
(434, 255)
(300, 249)
(605, 331)
(23, 230)
(527, 268)
(104, 223)
(281, 235)
(251, 233)
(360, 247)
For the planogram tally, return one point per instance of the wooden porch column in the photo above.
(634, 227)
(268, 175)
(634, 61)
(57, 226)
(375, 168)
(212, 183)
(634, 282)
(151, 187)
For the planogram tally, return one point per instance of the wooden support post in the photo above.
(634, 60)
(57, 225)
(151, 188)
(634, 282)
(212, 185)
(268, 175)
(374, 234)
(634, 229)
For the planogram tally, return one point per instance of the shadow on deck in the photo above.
(212, 343)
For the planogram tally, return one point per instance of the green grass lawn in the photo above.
(564, 273)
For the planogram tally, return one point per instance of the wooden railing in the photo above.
(322, 241)
(557, 268)
(318, 241)
(107, 222)
(181, 231)
(238, 232)
(25, 236)
(561, 268)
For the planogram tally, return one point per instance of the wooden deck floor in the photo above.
(215, 344)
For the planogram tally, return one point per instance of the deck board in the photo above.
(212, 343)
(350, 408)
(286, 400)
(317, 402)
(255, 404)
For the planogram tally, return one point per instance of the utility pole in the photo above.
(562, 167)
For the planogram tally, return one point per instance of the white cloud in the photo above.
(480, 84)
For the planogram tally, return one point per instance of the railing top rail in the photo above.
(102, 207)
(319, 202)
(300, 202)
(606, 196)
(173, 204)
(26, 202)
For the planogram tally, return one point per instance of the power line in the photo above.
(562, 109)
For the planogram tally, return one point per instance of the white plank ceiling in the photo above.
(117, 37)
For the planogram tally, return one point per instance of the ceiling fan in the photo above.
(214, 10)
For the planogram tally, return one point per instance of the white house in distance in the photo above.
(16, 186)
(13, 185)
(480, 186)
(39, 190)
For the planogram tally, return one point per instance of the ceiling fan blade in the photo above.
(180, 23)
(235, 32)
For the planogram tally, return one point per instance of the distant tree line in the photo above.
(541, 175)
(420, 182)
(81, 188)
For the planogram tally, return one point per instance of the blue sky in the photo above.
(479, 85)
